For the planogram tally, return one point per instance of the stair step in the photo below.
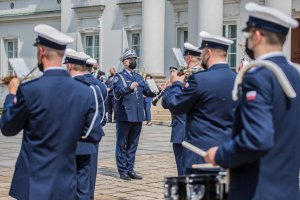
(159, 122)
(161, 117)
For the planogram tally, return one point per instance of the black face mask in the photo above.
(40, 66)
(132, 64)
(248, 51)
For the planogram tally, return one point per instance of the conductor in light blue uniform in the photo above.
(129, 88)
(47, 110)
(263, 155)
(206, 99)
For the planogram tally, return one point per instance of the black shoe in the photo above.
(133, 175)
(125, 177)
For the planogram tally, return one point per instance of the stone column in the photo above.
(193, 21)
(286, 8)
(66, 16)
(210, 15)
(153, 13)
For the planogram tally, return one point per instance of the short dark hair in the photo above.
(273, 38)
(148, 75)
(100, 73)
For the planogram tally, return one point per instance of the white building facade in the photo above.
(105, 28)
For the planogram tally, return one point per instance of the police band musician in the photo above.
(192, 58)
(263, 155)
(205, 99)
(79, 65)
(129, 88)
(47, 110)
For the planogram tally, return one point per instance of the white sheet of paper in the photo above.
(179, 56)
(152, 85)
(19, 66)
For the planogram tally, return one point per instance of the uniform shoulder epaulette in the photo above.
(29, 81)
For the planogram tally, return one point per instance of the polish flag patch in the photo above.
(15, 101)
(251, 95)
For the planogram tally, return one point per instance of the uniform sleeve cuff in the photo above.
(223, 156)
(177, 83)
(9, 101)
(10, 98)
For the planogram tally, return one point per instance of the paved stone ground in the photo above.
(154, 161)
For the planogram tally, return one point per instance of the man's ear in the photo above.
(69, 66)
(41, 50)
(258, 36)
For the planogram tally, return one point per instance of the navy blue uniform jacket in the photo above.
(130, 103)
(178, 123)
(264, 153)
(209, 107)
(84, 148)
(54, 112)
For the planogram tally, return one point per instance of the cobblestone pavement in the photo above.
(154, 161)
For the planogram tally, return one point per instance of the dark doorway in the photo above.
(296, 44)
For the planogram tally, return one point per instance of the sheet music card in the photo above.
(19, 66)
(152, 85)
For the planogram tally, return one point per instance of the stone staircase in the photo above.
(160, 116)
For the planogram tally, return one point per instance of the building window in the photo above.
(135, 44)
(11, 47)
(182, 37)
(230, 31)
(91, 46)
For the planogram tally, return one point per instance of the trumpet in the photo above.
(183, 71)
(158, 97)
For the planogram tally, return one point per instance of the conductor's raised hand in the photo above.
(133, 85)
(13, 86)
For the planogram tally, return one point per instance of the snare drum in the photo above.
(194, 187)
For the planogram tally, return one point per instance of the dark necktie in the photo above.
(132, 75)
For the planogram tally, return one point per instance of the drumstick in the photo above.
(194, 149)
(205, 165)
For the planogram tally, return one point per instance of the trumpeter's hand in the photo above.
(13, 86)
(175, 77)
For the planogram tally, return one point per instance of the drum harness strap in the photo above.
(95, 115)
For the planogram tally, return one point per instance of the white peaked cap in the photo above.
(75, 57)
(51, 37)
(190, 49)
(214, 41)
(269, 19)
